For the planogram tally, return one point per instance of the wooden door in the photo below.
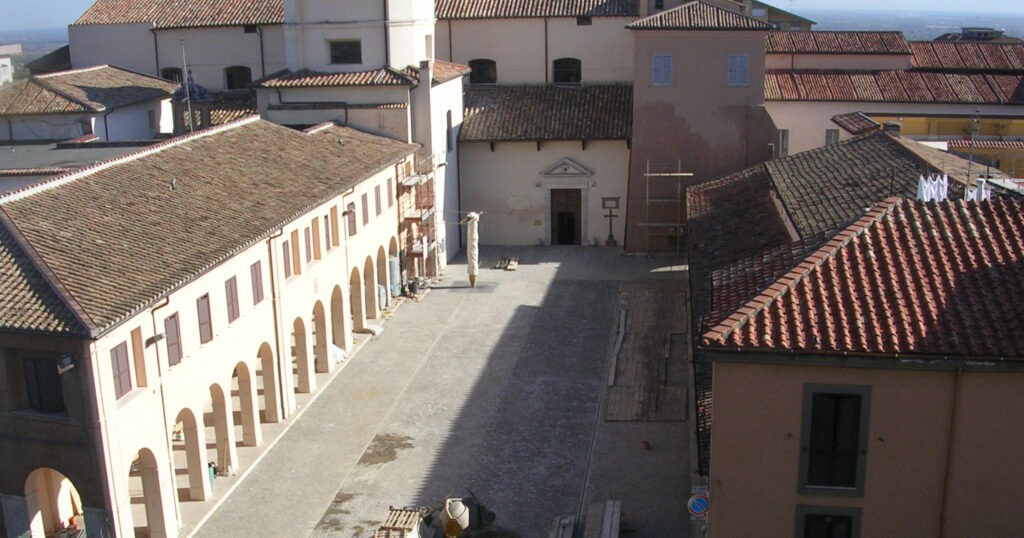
(566, 216)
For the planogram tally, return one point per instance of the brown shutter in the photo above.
(296, 261)
(122, 373)
(205, 324)
(172, 332)
(316, 238)
(138, 353)
(231, 296)
(256, 273)
(335, 236)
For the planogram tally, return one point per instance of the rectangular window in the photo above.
(347, 51)
(391, 192)
(139, 356)
(309, 244)
(376, 199)
(315, 226)
(350, 213)
(831, 136)
(659, 4)
(205, 323)
(286, 258)
(834, 439)
(231, 296)
(296, 261)
(335, 236)
(151, 118)
(327, 232)
(172, 332)
(584, 21)
(45, 392)
(366, 209)
(737, 69)
(827, 522)
(256, 273)
(661, 70)
(122, 372)
(783, 142)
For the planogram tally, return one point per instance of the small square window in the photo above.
(349, 51)
(661, 70)
(249, 28)
(584, 21)
(738, 70)
(827, 522)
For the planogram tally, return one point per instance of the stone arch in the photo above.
(393, 247)
(52, 502)
(321, 354)
(189, 438)
(147, 509)
(338, 336)
(356, 296)
(248, 406)
(383, 277)
(302, 368)
(369, 289)
(267, 385)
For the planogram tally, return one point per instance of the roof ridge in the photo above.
(61, 180)
(74, 71)
(810, 263)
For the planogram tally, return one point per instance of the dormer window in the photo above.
(484, 71)
(567, 71)
(346, 51)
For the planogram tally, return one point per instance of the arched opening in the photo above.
(172, 74)
(338, 319)
(369, 289)
(146, 496)
(188, 445)
(355, 294)
(483, 71)
(267, 385)
(394, 268)
(237, 77)
(248, 415)
(321, 355)
(301, 367)
(567, 71)
(383, 290)
(53, 503)
(221, 419)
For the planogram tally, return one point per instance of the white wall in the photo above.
(6, 71)
(43, 127)
(391, 122)
(504, 185)
(125, 45)
(308, 45)
(210, 50)
(132, 122)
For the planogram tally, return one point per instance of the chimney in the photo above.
(891, 127)
(427, 72)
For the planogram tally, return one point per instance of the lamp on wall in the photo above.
(154, 339)
(64, 363)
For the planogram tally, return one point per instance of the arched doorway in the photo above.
(301, 367)
(355, 294)
(383, 277)
(338, 336)
(267, 386)
(53, 503)
(321, 357)
(188, 444)
(222, 420)
(369, 290)
(248, 408)
(146, 496)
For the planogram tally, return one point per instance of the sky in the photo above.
(31, 14)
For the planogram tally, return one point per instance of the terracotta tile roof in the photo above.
(855, 123)
(896, 86)
(446, 71)
(515, 9)
(548, 112)
(698, 15)
(147, 223)
(933, 279)
(307, 78)
(960, 56)
(986, 144)
(227, 107)
(184, 13)
(832, 42)
(93, 89)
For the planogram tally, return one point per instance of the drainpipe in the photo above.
(546, 51)
(451, 52)
(387, 46)
(90, 373)
(263, 63)
(156, 51)
(275, 310)
(163, 399)
(950, 452)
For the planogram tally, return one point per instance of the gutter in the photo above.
(897, 361)
(281, 101)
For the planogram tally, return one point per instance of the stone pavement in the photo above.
(498, 390)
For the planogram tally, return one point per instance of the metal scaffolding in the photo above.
(664, 204)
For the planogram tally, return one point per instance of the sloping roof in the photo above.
(93, 89)
(184, 13)
(985, 144)
(55, 60)
(773, 9)
(307, 78)
(855, 123)
(446, 71)
(515, 9)
(832, 42)
(698, 15)
(122, 234)
(933, 279)
(548, 112)
(969, 56)
(895, 86)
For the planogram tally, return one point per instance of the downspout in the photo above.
(100, 438)
(156, 51)
(163, 398)
(950, 452)
(387, 46)
(451, 53)
(275, 310)
(546, 74)
(10, 129)
(263, 62)
(106, 127)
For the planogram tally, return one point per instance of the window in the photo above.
(376, 199)
(309, 244)
(737, 69)
(831, 136)
(256, 273)
(42, 383)
(391, 188)
(758, 12)
(315, 226)
(350, 212)
(567, 71)
(249, 28)
(834, 440)
(151, 118)
(366, 209)
(659, 4)
(783, 142)
(327, 231)
(346, 51)
(237, 77)
(661, 70)
(483, 71)
(172, 74)
(140, 358)
(205, 323)
(172, 332)
(286, 258)
(231, 296)
(827, 522)
(584, 21)
(296, 262)
(122, 373)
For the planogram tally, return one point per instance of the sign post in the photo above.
(698, 504)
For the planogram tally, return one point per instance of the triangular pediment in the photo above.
(567, 168)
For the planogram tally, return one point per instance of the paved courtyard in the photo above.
(497, 390)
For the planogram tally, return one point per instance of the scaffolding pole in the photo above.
(663, 223)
